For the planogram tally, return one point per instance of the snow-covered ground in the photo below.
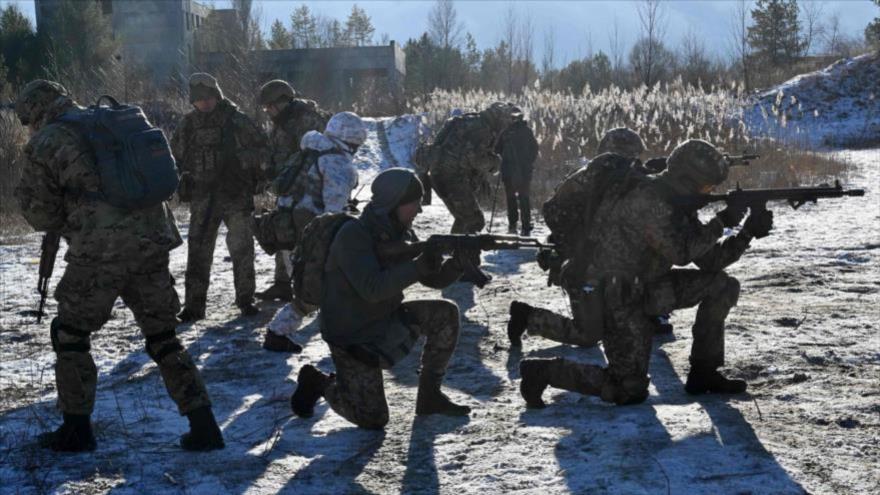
(805, 335)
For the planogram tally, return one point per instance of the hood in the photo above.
(314, 140)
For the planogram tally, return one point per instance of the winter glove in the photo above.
(759, 223)
(732, 215)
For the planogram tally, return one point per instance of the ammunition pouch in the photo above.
(276, 230)
(166, 342)
(57, 346)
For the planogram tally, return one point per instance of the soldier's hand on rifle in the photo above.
(428, 262)
(732, 215)
(759, 223)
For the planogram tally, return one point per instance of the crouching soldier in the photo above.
(365, 320)
(647, 231)
(112, 252)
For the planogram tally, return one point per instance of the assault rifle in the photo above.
(48, 251)
(451, 243)
(758, 198)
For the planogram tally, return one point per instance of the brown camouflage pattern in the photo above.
(574, 330)
(358, 393)
(299, 117)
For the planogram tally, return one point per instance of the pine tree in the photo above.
(18, 43)
(359, 28)
(872, 32)
(279, 37)
(82, 48)
(303, 28)
(774, 34)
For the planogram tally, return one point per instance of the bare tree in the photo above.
(526, 48)
(812, 27)
(615, 44)
(652, 18)
(694, 61)
(548, 59)
(739, 41)
(443, 24)
(509, 33)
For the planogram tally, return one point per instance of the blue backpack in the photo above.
(134, 161)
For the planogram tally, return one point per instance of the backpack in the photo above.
(134, 161)
(293, 178)
(569, 213)
(310, 255)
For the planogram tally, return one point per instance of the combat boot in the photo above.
(248, 309)
(526, 230)
(278, 291)
(518, 322)
(533, 374)
(74, 435)
(707, 380)
(310, 386)
(204, 434)
(430, 400)
(279, 343)
(511, 229)
(189, 315)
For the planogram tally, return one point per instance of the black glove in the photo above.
(732, 215)
(759, 223)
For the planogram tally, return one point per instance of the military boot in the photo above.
(526, 230)
(74, 435)
(204, 434)
(430, 400)
(310, 387)
(278, 291)
(518, 322)
(707, 380)
(279, 343)
(533, 373)
(189, 315)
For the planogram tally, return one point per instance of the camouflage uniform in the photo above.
(219, 156)
(641, 236)
(111, 253)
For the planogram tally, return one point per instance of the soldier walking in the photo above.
(518, 149)
(112, 252)
(218, 151)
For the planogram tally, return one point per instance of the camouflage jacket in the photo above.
(59, 169)
(288, 129)
(220, 151)
(643, 234)
(465, 147)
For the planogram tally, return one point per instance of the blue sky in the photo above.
(577, 25)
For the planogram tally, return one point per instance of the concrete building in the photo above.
(157, 35)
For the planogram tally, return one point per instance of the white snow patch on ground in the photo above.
(804, 335)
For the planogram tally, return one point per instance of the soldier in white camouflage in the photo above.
(112, 253)
(292, 117)
(328, 186)
(219, 151)
(643, 234)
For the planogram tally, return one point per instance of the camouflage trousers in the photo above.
(461, 201)
(204, 222)
(86, 295)
(358, 394)
(282, 267)
(576, 330)
(517, 192)
(629, 330)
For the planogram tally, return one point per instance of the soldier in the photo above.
(644, 233)
(518, 149)
(291, 118)
(112, 252)
(218, 151)
(581, 329)
(328, 186)
(365, 321)
(460, 160)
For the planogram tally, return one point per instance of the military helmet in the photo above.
(696, 163)
(622, 141)
(501, 114)
(35, 98)
(203, 86)
(347, 127)
(275, 90)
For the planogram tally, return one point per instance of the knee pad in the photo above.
(165, 343)
(83, 345)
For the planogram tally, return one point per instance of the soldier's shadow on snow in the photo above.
(631, 449)
(421, 465)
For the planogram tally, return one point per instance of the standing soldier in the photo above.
(112, 252)
(518, 149)
(460, 160)
(365, 320)
(642, 234)
(218, 151)
(291, 118)
(327, 184)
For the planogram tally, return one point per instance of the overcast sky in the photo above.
(577, 25)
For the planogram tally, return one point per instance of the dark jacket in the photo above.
(361, 304)
(519, 150)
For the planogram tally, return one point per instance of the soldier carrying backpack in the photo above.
(100, 177)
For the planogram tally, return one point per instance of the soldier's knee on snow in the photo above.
(447, 311)
(625, 391)
(162, 344)
(73, 339)
(375, 421)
